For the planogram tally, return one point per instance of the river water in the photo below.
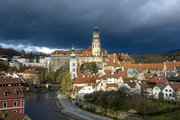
(42, 106)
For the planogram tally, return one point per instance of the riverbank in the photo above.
(76, 112)
(39, 89)
(42, 105)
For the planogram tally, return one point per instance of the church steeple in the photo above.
(96, 45)
(73, 64)
(73, 55)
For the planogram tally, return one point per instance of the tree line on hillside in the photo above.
(9, 52)
(158, 58)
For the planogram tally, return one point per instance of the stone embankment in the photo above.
(109, 112)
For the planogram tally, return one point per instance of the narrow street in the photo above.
(73, 110)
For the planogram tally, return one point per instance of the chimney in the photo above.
(174, 61)
(114, 60)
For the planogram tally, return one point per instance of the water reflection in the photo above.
(43, 106)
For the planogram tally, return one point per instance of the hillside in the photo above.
(159, 58)
(9, 52)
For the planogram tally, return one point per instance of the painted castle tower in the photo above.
(96, 45)
(73, 64)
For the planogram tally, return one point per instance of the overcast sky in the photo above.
(130, 26)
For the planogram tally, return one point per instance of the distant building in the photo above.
(11, 95)
(155, 80)
(93, 53)
(31, 76)
(31, 60)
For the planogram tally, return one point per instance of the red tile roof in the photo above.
(111, 84)
(113, 60)
(14, 115)
(68, 51)
(144, 85)
(175, 87)
(128, 80)
(11, 92)
(9, 81)
(158, 80)
(2, 73)
(144, 66)
(172, 65)
(148, 75)
(29, 71)
(77, 89)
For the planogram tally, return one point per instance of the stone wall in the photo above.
(59, 60)
(110, 112)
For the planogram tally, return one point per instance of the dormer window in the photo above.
(16, 91)
(6, 93)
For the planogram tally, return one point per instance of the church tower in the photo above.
(73, 64)
(96, 45)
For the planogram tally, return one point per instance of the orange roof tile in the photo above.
(144, 85)
(14, 115)
(175, 87)
(29, 71)
(9, 81)
(158, 80)
(148, 75)
(11, 93)
(113, 60)
(111, 84)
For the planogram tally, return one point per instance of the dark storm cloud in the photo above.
(141, 26)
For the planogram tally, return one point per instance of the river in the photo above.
(42, 106)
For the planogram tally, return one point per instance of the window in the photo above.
(6, 93)
(15, 103)
(169, 90)
(73, 70)
(14, 110)
(4, 104)
(170, 94)
(166, 90)
(73, 64)
(166, 94)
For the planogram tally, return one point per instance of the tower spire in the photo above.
(73, 55)
(96, 45)
(73, 64)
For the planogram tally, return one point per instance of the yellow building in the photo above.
(31, 76)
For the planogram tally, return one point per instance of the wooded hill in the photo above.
(158, 58)
(9, 52)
